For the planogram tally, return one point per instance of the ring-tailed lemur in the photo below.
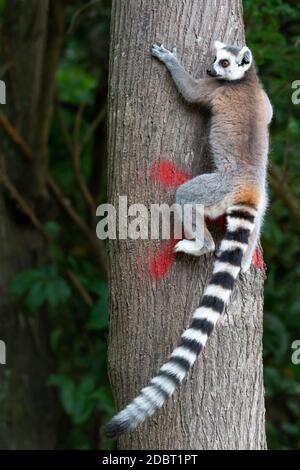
(240, 113)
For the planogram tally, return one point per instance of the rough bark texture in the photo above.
(28, 409)
(221, 404)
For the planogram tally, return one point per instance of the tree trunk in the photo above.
(32, 34)
(221, 403)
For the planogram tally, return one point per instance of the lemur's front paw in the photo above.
(163, 54)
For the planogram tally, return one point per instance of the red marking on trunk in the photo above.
(161, 262)
(168, 174)
(258, 260)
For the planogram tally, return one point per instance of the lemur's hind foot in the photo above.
(194, 247)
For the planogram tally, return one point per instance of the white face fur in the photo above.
(230, 64)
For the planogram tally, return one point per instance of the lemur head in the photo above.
(230, 63)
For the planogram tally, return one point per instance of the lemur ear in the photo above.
(244, 57)
(219, 45)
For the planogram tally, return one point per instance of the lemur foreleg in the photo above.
(193, 90)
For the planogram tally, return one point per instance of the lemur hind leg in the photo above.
(212, 192)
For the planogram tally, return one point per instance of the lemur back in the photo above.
(240, 112)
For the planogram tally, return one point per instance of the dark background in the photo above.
(72, 281)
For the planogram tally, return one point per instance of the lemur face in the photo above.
(231, 63)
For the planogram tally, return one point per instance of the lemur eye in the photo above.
(224, 63)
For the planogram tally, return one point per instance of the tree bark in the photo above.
(32, 35)
(221, 403)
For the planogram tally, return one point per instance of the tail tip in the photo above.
(115, 428)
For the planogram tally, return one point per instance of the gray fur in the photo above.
(208, 189)
(233, 50)
(240, 114)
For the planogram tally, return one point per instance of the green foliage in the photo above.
(80, 401)
(40, 287)
(76, 339)
(272, 28)
(75, 85)
(99, 314)
(78, 328)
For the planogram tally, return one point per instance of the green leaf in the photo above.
(35, 297)
(23, 282)
(63, 291)
(104, 400)
(75, 85)
(291, 428)
(55, 337)
(57, 254)
(87, 385)
(50, 294)
(57, 292)
(76, 401)
(98, 320)
(67, 391)
(52, 229)
(60, 381)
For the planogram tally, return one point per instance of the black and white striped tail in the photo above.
(240, 223)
